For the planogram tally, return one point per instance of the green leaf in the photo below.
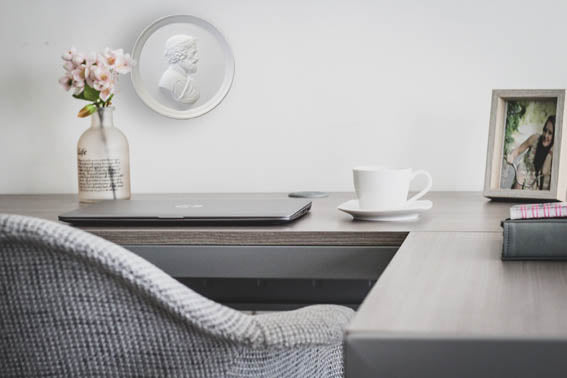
(80, 96)
(89, 93)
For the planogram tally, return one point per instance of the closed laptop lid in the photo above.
(190, 208)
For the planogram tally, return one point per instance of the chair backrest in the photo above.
(74, 304)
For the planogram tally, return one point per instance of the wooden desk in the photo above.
(325, 225)
(445, 305)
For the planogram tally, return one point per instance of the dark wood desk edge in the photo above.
(371, 334)
(155, 236)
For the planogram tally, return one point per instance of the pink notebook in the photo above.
(539, 210)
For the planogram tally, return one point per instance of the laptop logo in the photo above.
(188, 206)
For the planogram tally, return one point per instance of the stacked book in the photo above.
(536, 232)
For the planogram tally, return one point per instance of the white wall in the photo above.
(320, 86)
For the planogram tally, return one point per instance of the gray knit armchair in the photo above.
(73, 304)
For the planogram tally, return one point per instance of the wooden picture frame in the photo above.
(496, 161)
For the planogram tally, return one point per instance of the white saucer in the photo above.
(409, 212)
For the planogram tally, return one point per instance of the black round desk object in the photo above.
(308, 195)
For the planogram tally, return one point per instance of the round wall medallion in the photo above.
(184, 66)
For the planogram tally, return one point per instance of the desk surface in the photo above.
(324, 225)
(454, 285)
(445, 306)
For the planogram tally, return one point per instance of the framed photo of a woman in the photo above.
(524, 146)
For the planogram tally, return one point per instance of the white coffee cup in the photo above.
(384, 188)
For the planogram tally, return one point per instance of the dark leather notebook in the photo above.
(535, 239)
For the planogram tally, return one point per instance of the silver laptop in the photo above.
(189, 211)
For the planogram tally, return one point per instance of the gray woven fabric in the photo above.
(73, 304)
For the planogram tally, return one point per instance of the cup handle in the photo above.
(427, 187)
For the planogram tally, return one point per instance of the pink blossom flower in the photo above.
(109, 56)
(106, 93)
(124, 64)
(112, 57)
(66, 81)
(79, 73)
(90, 76)
(78, 59)
(101, 85)
(100, 60)
(68, 66)
(68, 55)
(88, 70)
(78, 86)
(97, 70)
(101, 73)
(91, 58)
(103, 78)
